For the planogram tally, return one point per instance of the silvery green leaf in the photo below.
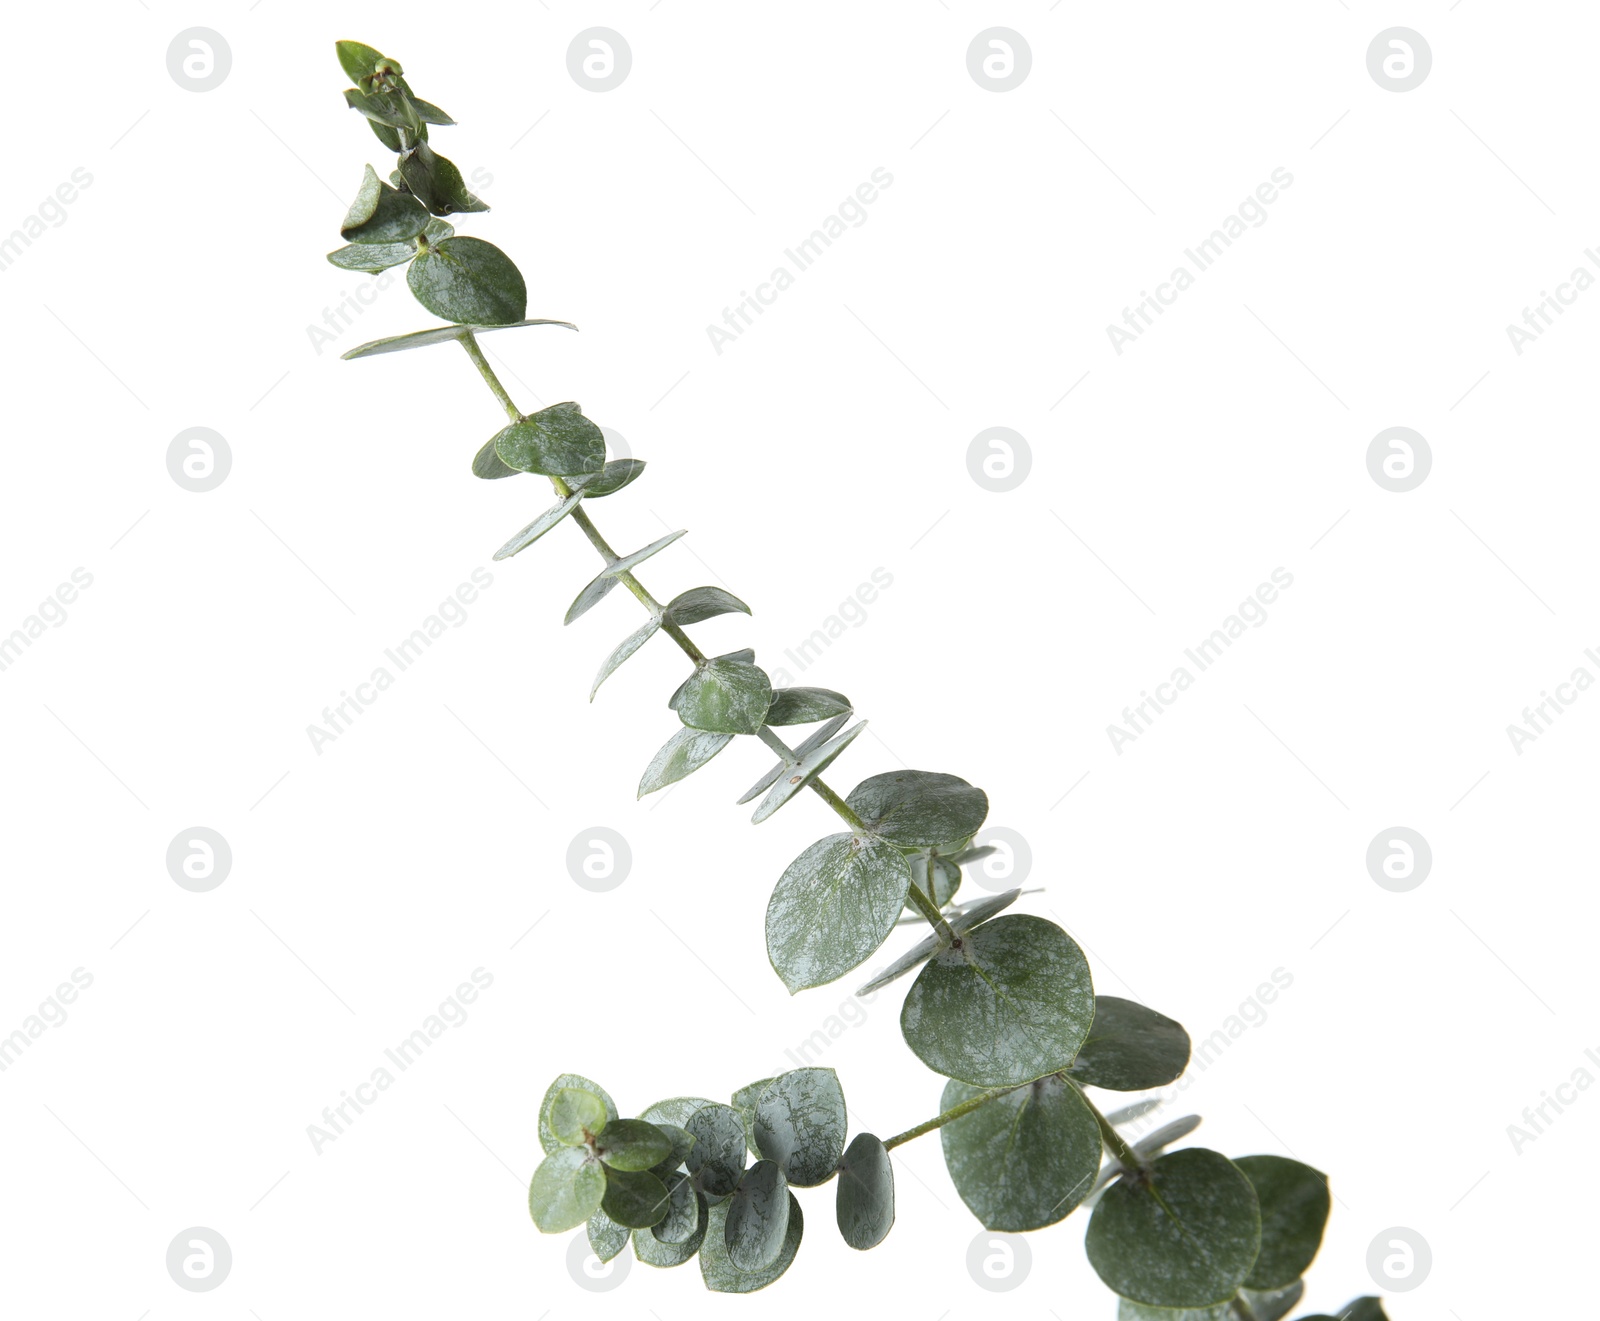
(381, 215)
(833, 908)
(371, 258)
(1128, 1310)
(744, 1101)
(468, 281)
(920, 808)
(681, 1139)
(601, 585)
(683, 1209)
(717, 1269)
(1027, 1158)
(716, 1161)
(674, 1111)
(702, 603)
(806, 706)
(682, 754)
(1131, 1048)
(576, 1114)
(1273, 1304)
(609, 480)
(791, 780)
(653, 1252)
(418, 339)
(547, 1134)
(1154, 1143)
(924, 949)
(811, 744)
(624, 649)
(488, 464)
(539, 526)
(1137, 1110)
(635, 1198)
(946, 877)
(566, 1190)
(758, 1217)
(968, 856)
(558, 441)
(1009, 1002)
(437, 182)
(1295, 1203)
(606, 1236)
(726, 695)
(800, 1123)
(631, 1145)
(864, 1200)
(1185, 1234)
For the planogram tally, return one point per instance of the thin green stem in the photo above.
(1242, 1310)
(469, 342)
(930, 910)
(1115, 1143)
(954, 1112)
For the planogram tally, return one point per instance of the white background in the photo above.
(828, 441)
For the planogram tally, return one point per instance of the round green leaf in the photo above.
(1027, 1158)
(806, 706)
(758, 1217)
(558, 441)
(717, 1268)
(681, 1140)
(1294, 1211)
(371, 258)
(576, 1114)
(1131, 1049)
(635, 1198)
(725, 695)
(470, 282)
(609, 480)
(606, 1236)
(682, 754)
(1272, 1305)
(1183, 1234)
(1009, 1002)
(547, 1135)
(716, 1161)
(833, 908)
(702, 603)
(438, 184)
(673, 1112)
(864, 1201)
(632, 1144)
(487, 463)
(683, 1210)
(799, 1122)
(566, 1190)
(959, 921)
(380, 214)
(653, 1252)
(744, 1101)
(1368, 1308)
(919, 808)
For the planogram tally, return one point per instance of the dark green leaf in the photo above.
(920, 808)
(390, 137)
(632, 1144)
(701, 603)
(381, 215)
(606, 1236)
(864, 1201)
(833, 907)
(1183, 1234)
(566, 1190)
(547, 1135)
(600, 586)
(1273, 1304)
(1132, 1049)
(946, 877)
(371, 258)
(383, 108)
(470, 282)
(806, 706)
(758, 1217)
(794, 777)
(486, 463)
(1025, 1159)
(800, 1123)
(719, 1272)
(652, 1251)
(716, 1161)
(682, 1140)
(726, 695)
(576, 1114)
(539, 526)
(1010, 1002)
(436, 335)
(430, 113)
(609, 480)
(682, 754)
(624, 649)
(438, 185)
(683, 1209)
(1294, 1211)
(635, 1198)
(358, 62)
(924, 949)
(1368, 1308)
(813, 741)
(558, 441)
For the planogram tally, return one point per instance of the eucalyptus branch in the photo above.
(1003, 1004)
